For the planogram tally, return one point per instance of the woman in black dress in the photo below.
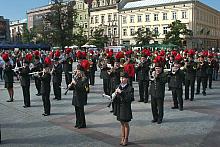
(8, 76)
(122, 98)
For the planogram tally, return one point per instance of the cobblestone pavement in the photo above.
(197, 126)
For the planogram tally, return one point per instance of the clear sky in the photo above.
(16, 9)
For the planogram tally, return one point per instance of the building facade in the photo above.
(34, 16)
(121, 20)
(104, 15)
(16, 29)
(4, 30)
(156, 15)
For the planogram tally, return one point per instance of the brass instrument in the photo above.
(36, 73)
(17, 69)
(174, 70)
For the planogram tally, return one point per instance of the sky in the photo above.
(16, 9)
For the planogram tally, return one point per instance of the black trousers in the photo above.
(189, 83)
(210, 80)
(26, 94)
(80, 116)
(92, 77)
(46, 103)
(68, 78)
(143, 90)
(57, 90)
(204, 84)
(107, 86)
(157, 107)
(1, 69)
(177, 98)
(38, 85)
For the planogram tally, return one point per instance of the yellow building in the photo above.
(156, 15)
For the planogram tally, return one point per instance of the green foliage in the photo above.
(143, 37)
(28, 35)
(177, 29)
(79, 39)
(60, 22)
(98, 38)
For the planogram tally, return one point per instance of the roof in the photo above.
(144, 3)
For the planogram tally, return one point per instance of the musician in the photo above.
(176, 84)
(190, 76)
(57, 76)
(122, 107)
(105, 76)
(78, 85)
(38, 67)
(143, 80)
(45, 88)
(93, 68)
(210, 69)
(25, 82)
(202, 75)
(67, 66)
(8, 76)
(157, 92)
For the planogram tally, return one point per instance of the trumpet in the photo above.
(35, 73)
(174, 70)
(17, 69)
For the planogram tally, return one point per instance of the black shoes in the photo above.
(153, 121)
(146, 101)
(197, 93)
(140, 100)
(26, 106)
(174, 107)
(181, 109)
(159, 121)
(38, 94)
(204, 93)
(44, 114)
(9, 100)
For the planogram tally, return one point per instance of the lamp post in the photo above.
(118, 8)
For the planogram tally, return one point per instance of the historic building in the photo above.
(156, 15)
(16, 29)
(4, 30)
(34, 16)
(120, 20)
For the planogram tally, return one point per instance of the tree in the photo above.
(98, 38)
(61, 20)
(143, 37)
(28, 35)
(177, 30)
(79, 38)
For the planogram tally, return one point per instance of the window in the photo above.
(132, 31)
(92, 20)
(80, 17)
(174, 15)
(96, 19)
(109, 31)
(147, 17)
(124, 19)
(164, 30)
(156, 30)
(109, 18)
(164, 16)
(115, 16)
(147, 29)
(86, 26)
(184, 15)
(155, 17)
(85, 16)
(124, 32)
(132, 19)
(102, 19)
(115, 31)
(139, 18)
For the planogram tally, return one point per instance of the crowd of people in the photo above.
(152, 69)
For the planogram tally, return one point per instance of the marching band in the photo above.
(151, 69)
